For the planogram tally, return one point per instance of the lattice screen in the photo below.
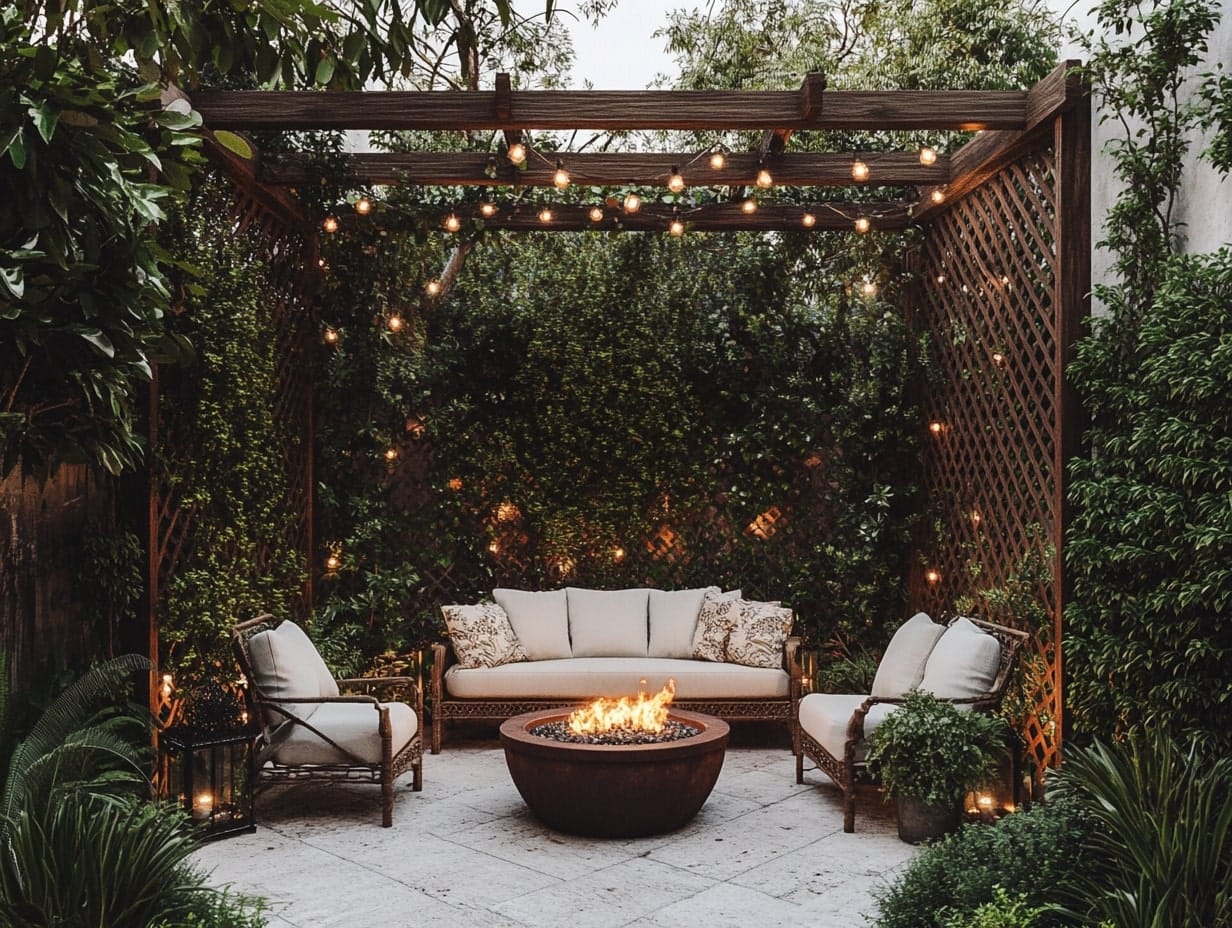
(987, 270)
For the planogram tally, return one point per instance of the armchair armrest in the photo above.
(795, 670)
(392, 685)
(442, 657)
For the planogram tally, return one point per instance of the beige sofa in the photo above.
(573, 644)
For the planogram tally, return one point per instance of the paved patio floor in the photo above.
(466, 852)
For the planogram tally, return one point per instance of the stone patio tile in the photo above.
(605, 898)
(725, 905)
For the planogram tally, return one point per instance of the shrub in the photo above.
(1005, 911)
(1025, 855)
(1161, 851)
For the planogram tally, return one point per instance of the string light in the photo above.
(363, 206)
(863, 224)
(675, 183)
(808, 220)
(868, 288)
(677, 227)
(937, 427)
(940, 278)
(394, 323)
(432, 288)
(718, 159)
(494, 546)
(517, 153)
(632, 203)
(330, 224)
(333, 561)
(618, 554)
(455, 483)
(998, 358)
(932, 575)
(391, 454)
(764, 180)
(937, 195)
(487, 209)
(452, 223)
(330, 336)
(545, 214)
(976, 518)
(748, 206)
(928, 155)
(859, 170)
(596, 214)
(561, 177)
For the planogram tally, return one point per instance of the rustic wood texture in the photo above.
(590, 169)
(989, 272)
(966, 110)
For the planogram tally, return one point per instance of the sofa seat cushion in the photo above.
(824, 717)
(608, 623)
(355, 726)
(540, 620)
(673, 620)
(963, 663)
(586, 677)
(902, 666)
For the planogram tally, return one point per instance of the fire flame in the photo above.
(640, 712)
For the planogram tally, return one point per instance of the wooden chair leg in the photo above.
(387, 798)
(437, 725)
(799, 766)
(417, 776)
(849, 808)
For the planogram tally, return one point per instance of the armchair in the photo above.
(309, 729)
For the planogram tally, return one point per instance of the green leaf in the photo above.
(325, 70)
(99, 340)
(234, 143)
(45, 117)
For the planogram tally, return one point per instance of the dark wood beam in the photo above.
(594, 169)
(718, 217)
(607, 109)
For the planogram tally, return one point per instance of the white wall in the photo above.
(1205, 204)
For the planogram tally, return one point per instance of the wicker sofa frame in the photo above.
(447, 708)
(847, 772)
(391, 766)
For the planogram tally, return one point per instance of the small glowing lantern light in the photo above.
(487, 209)
(517, 153)
(633, 203)
(596, 214)
(937, 427)
(391, 454)
(618, 554)
(452, 223)
(933, 576)
(937, 196)
(333, 561)
(718, 160)
(863, 224)
(928, 155)
(330, 224)
(433, 288)
(330, 336)
(394, 323)
(764, 180)
(748, 206)
(210, 775)
(676, 228)
(859, 170)
(560, 178)
(545, 215)
(675, 183)
(363, 206)
(808, 220)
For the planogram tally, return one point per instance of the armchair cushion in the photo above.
(759, 634)
(963, 663)
(673, 621)
(824, 717)
(608, 623)
(354, 725)
(482, 635)
(902, 666)
(540, 620)
(286, 665)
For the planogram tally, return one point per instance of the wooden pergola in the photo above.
(1001, 275)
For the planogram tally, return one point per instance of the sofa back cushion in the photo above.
(673, 620)
(608, 623)
(286, 665)
(902, 666)
(482, 635)
(963, 663)
(540, 620)
(714, 624)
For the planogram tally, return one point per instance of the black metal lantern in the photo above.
(211, 775)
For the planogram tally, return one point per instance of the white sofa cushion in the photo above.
(481, 635)
(355, 726)
(824, 717)
(714, 623)
(757, 638)
(963, 663)
(540, 620)
(286, 665)
(587, 677)
(902, 666)
(608, 623)
(673, 620)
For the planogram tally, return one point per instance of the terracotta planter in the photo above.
(920, 821)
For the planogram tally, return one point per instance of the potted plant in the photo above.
(929, 754)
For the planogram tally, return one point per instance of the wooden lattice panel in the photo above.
(987, 271)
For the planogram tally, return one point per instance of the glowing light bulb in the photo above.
(808, 220)
(928, 155)
(596, 214)
(330, 336)
(432, 288)
(452, 223)
(633, 203)
(748, 206)
(363, 206)
(560, 177)
(394, 323)
(333, 562)
(998, 357)
(330, 224)
(718, 160)
(494, 546)
(863, 224)
(764, 180)
(936, 427)
(932, 575)
(940, 278)
(676, 228)
(937, 196)
(868, 288)
(618, 554)
(517, 153)
(545, 215)
(487, 209)
(455, 483)
(391, 454)
(859, 170)
(675, 183)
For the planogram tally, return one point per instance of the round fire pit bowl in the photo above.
(614, 790)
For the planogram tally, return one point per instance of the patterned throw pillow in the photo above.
(759, 633)
(714, 623)
(482, 635)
